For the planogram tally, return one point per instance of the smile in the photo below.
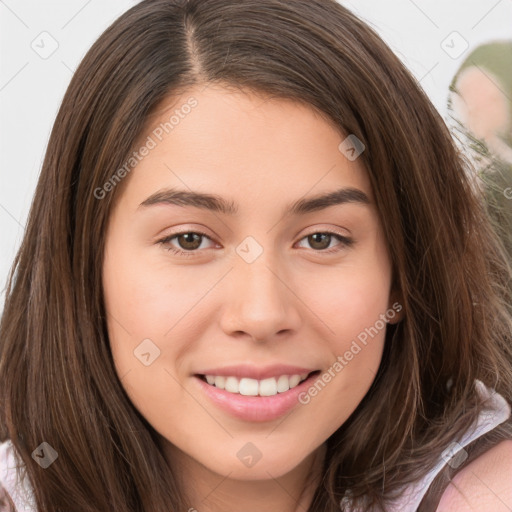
(254, 387)
(255, 395)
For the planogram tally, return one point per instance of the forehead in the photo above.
(242, 145)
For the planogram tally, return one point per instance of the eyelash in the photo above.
(344, 242)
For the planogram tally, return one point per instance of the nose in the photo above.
(261, 302)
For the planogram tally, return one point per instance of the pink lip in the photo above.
(252, 372)
(255, 408)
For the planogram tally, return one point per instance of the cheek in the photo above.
(349, 300)
(143, 309)
(153, 323)
(135, 303)
(354, 315)
(144, 300)
(352, 302)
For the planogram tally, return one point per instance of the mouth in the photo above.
(255, 400)
(253, 387)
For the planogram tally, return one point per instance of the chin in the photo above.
(247, 462)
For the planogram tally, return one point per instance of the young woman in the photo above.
(255, 276)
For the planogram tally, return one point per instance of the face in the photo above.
(261, 288)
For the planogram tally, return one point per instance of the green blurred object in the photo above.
(496, 58)
(495, 171)
(497, 179)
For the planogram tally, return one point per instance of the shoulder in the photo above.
(485, 484)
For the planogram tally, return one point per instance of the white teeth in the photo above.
(283, 384)
(220, 382)
(248, 387)
(231, 385)
(253, 387)
(268, 387)
(294, 380)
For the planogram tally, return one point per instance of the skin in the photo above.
(293, 305)
(484, 485)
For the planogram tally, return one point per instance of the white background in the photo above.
(31, 87)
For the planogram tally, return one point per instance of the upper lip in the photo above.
(258, 373)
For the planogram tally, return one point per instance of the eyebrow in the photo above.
(219, 204)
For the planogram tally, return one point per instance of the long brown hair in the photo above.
(57, 379)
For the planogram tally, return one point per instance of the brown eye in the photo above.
(319, 240)
(189, 241)
(186, 243)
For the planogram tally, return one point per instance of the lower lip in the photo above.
(256, 408)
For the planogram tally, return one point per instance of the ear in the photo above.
(396, 310)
